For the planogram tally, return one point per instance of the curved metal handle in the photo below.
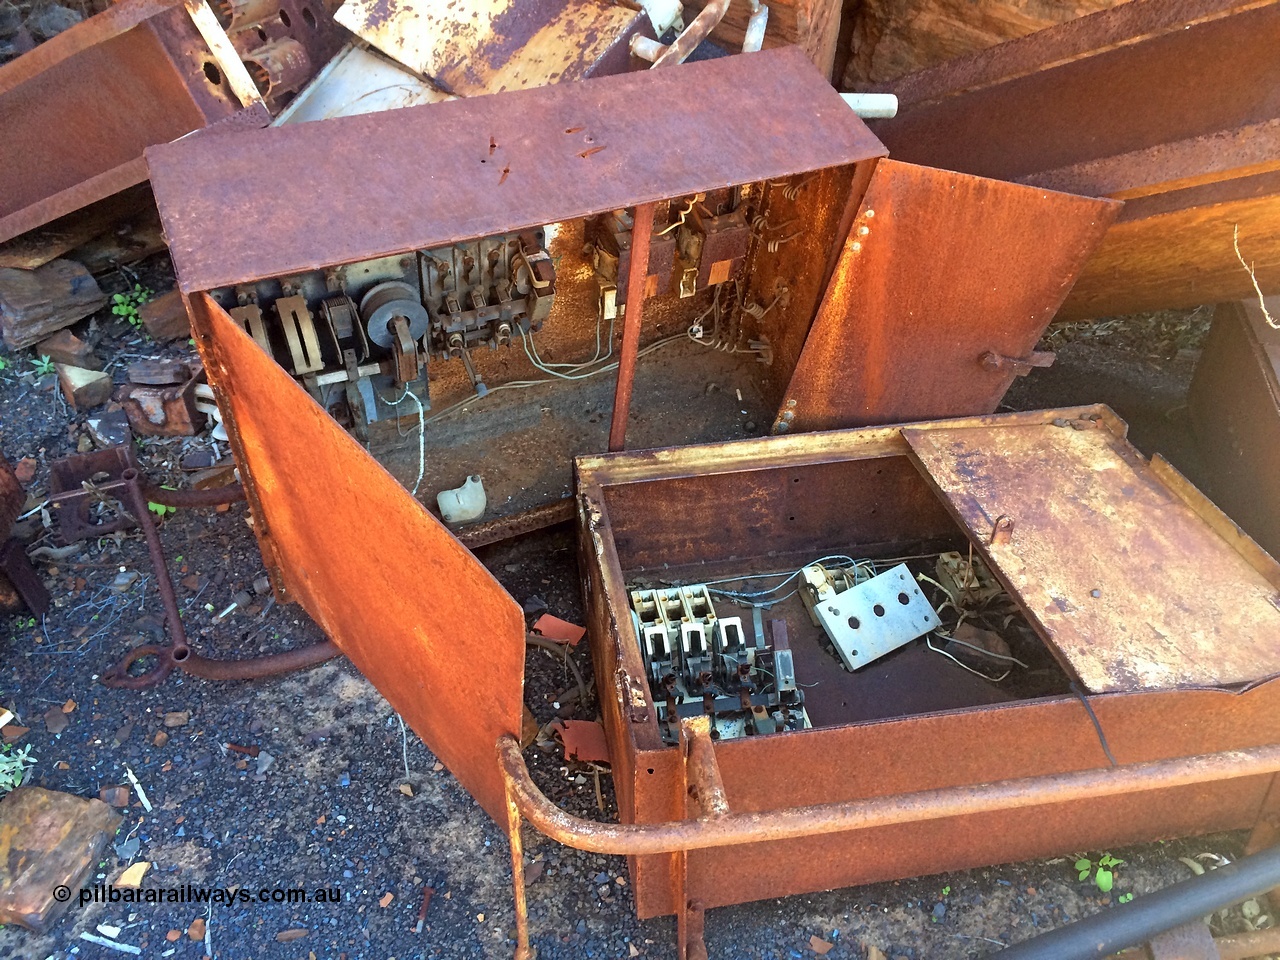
(788, 824)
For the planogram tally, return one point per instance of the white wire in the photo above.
(976, 673)
(422, 435)
(984, 652)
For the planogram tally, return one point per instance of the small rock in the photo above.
(111, 429)
(939, 912)
(52, 20)
(25, 471)
(534, 606)
(287, 936)
(84, 389)
(173, 935)
(165, 317)
(116, 795)
(160, 739)
(265, 762)
(124, 580)
(196, 930)
(128, 849)
(55, 720)
(177, 718)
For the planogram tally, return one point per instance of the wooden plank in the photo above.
(1128, 584)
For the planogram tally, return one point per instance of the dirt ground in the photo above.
(329, 812)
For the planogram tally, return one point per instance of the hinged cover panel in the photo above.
(1131, 587)
(411, 607)
(437, 173)
(943, 286)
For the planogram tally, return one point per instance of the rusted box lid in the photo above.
(411, 607)
(1134, 579)
(434, 174)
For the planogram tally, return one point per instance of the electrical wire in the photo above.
(422, 434)
(976, 673)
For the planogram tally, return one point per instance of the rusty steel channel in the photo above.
(1170, 105)
(79, 110)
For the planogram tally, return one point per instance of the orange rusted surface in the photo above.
(1130, 587)
(426, 623)
(487, 46)
(939, 269)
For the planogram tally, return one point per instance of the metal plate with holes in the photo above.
(876, 617)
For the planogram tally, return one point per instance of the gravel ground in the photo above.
(330, 812)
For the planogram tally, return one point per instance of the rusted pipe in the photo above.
(647, 48)
(637, 277)
(178, 652)
(788, 824)
(214, 497)
(138, 506)
(250, 668)
(702, 773)
(692, 35)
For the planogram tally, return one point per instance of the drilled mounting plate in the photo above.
(876, 616)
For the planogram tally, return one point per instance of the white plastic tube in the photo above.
(872, 106)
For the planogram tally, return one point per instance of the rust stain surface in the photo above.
(938, 269)
(356, 550)
(488, 46)
(1131, 588)
(262, 184)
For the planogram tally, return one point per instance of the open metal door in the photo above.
(1134, 579)
(403, 599)
(942, 289)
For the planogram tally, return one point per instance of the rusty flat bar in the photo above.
(637, 277)
(787, 824)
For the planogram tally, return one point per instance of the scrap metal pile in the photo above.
(413, 251)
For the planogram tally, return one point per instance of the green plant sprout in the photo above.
(126, 304)
(4, 364)
(160, 510)
(1103, 873)
(13, 766)
(1125, 897)
(946, 891)
(43, 366)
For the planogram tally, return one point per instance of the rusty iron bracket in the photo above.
(1019, 366)
(125, 485)
(1001, 531)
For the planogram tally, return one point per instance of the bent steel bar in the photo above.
(787, 824)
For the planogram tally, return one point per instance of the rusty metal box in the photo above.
(813, 228)
(1147, 629)
(79, 110)
(1152, 620)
